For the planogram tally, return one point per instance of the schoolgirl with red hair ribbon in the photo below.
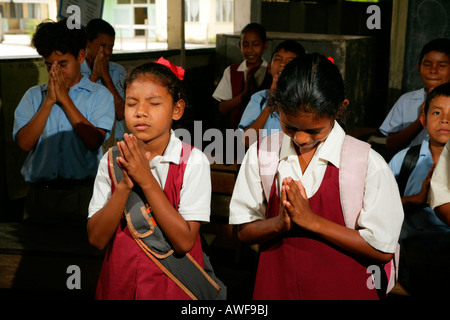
(152, 192)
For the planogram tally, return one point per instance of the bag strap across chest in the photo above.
(352, 171)
(196, 281)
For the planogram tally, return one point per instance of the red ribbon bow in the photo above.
(331, 59)
(179, 72)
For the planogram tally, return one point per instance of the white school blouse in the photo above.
(224, 91)
(381, 217)
(439, 193)
(195, 194)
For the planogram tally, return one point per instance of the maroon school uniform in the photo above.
(300, 265)
(127, 273)
(237, 85)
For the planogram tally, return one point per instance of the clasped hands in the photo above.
(57, 90)
(294, 206)
(101, 66)
(134, 163)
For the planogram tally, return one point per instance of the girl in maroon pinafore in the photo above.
(306, 250)
(175, 182)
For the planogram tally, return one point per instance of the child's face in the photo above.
(279, 60)
(252, 47)
(437, 120)
(306, 129)
(70, 66)
(434, 69)
(149, 108)
(104, 41)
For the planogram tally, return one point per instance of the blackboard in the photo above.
(427, 20)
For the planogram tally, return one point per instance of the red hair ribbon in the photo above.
(331, 59)
(179, 72)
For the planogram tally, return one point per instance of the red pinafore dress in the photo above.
(127, 273)
(237, 85)
(300, 265)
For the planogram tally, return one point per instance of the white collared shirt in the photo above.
(382, 214)
(195, 194)
(439, 193)
(224, 91)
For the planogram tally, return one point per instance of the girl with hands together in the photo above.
(153, 181)
(306, 249)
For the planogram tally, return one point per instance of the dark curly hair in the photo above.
(310, 83)
(97, 26)
(53, 36)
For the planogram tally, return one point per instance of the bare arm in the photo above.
(101, 71)
(102, 225)
(348, 239)
(29, 134)
(419, 199)
(119, 103)
(443, 213)
(297, 208)
(226, 106)
(399, 140)
(91, 136)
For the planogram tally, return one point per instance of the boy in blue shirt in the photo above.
(402, 125)
(257, 115)
(423, 233)
(62, 125)
(98, 68)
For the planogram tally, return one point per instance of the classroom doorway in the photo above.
(140, 17)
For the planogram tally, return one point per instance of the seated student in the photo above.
(422, 230)
(241, 80)
(402, 125)
(98, 68)
(439, 194)
(62, 127)
(256, 115)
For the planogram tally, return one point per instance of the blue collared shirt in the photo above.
(421, 220)
(254, 109)
(404, 112)
(118, 74)
(60, 152)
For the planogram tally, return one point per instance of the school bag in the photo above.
(197, 282)
(352, 174)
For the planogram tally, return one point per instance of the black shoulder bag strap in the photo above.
(197, 282)
(408, 165)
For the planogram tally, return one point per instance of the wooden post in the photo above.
(246, 11)
(175, 28)
(397, 54)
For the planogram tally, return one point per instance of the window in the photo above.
(135, 1)
(15, 10)
(192, 10)
(224, 10)
(34, 11)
